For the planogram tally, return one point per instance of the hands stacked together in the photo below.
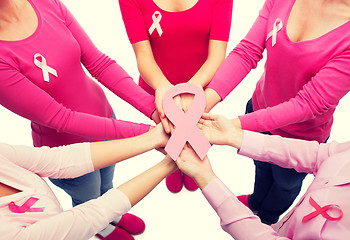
(218, 130)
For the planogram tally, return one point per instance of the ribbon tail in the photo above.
(175, 144)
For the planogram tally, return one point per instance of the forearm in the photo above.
(138, 187)
(212, 98)
(216, 55)
(106, 153)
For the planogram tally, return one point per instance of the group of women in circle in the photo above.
(42, 53)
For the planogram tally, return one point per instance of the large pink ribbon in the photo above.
(322, 211)
(185, 123)
(273, 34)
(26, 207)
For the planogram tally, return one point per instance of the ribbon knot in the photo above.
(322, 211)
(26, 207)
(185, 123)
(276, 27)
(156, 17)
(43, 66)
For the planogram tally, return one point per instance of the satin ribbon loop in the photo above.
(323, 211)
(26, 207)
(186, 123)
(156, 17)
(276, 27)
(44, 67)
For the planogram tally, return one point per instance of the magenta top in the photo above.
(329, 163)
(23, 168)
(182, 47)
(302, 82)
(66, 105)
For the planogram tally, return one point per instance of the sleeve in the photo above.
(58, 162)
(38, 106)
(80, 222)
(319, 95)
(303, 156)
(222, 17)
(133, 20)
(236, 219)
(107, 71)
(244, 57)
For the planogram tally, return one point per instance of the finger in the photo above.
(210, 116)
(165, 124)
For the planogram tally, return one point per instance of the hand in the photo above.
(220, 130)
(159, 96)
(160, 136)
(155, 117)
(186, 101)
(192, 165)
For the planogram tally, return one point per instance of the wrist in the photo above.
(202, 179)
(237, 136)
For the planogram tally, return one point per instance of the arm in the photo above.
(78, 159)
(303, 156)
(322, 93)
(236, 219)
(38, 106)
(85, 220)
(244, 57)
(107, 71)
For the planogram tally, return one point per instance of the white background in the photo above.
(185, 215)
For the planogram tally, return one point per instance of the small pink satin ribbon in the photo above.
(26, 207)
(322, 211)
(156, 17)
(43, 66)
(185, 123)
(276, 27)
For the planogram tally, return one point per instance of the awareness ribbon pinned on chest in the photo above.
(277, 26)
(185, 123)
(322, 211)
(43, 66)
(26, 207)
(156, 17)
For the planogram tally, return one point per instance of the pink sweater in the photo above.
(23, 168)
(302, 82)
(330, 164)
(69, 107)
(182, 48)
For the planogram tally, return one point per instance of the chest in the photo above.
(175, 5)
(311, 19)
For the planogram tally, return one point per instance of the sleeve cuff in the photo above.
(216, 193)
(252, 144)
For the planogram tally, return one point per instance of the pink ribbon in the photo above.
(322, 211)
(276, 27)
(185, 123)
(26, 207)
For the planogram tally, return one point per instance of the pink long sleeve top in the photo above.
(330, 164)
(179, 40)
(302, 82)
(67, 106)
(23, 168)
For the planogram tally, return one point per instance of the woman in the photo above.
(306, 74)
(176, 42)
(322, 213)
(42, 79)
(42, 216)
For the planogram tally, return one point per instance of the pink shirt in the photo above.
(302, 82)
(330, 164)
(182, 48)
(23, 168)
(71, 107)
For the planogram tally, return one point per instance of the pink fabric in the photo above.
(183, 46)
(302, 82)
(330, 163)
(23, 168)
(71, 107)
